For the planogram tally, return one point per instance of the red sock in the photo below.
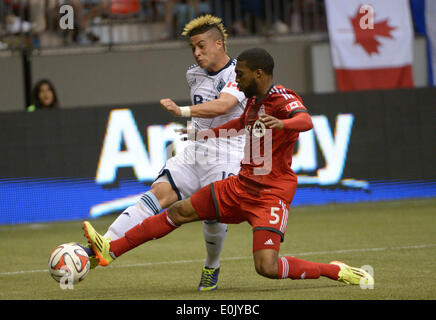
(294, 268)
(152, 228)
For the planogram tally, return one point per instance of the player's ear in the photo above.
(258, 73)
(219, 43)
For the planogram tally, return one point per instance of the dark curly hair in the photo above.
(258, 58)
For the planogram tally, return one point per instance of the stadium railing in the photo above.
(34, 24)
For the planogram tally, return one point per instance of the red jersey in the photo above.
(266, 167)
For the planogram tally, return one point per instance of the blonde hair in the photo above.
(205, 23)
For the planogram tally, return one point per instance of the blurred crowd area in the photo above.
(36, 23)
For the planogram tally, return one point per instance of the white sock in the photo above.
(146, 207)
(214, 236)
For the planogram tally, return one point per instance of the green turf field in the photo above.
(397, 239)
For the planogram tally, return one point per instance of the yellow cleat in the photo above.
(99, 244)
(351, 275)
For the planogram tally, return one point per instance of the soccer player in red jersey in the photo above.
(260, 194)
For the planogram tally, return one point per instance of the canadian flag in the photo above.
(371, 43)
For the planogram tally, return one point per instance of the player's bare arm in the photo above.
(214, 108)
(209, 109)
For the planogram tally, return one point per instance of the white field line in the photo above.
(309, 253)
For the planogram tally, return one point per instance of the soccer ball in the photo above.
(68, 263)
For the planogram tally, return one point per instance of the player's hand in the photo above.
(271, 122)
(170, 106)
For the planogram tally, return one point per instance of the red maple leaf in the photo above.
(367, 37)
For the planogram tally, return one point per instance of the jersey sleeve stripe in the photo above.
(296, 111)
(282, 235)
(285, 95)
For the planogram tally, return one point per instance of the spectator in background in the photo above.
(177, 13)
(235, 13)
(34, 17)
(43, 96)
(278, 13)
(81, 24)
(256, 10)
(17, 26)
(114, 8)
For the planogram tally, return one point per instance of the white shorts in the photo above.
(187, 173)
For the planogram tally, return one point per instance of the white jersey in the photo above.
(203, 162)
(205, 86)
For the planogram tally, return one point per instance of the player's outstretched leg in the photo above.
(352, 275)
(148, 206)
(214, 236)
(154, 227)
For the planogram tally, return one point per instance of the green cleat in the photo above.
(351, 275)
(99, 245)
(209, 279)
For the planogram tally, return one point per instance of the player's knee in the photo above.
(164, 192)
(266, 268)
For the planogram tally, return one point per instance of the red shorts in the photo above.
(227, 201)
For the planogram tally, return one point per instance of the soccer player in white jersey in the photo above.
(216, 100)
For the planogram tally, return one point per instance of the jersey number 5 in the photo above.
(274, 215)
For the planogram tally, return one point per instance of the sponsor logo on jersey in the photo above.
(293, 105)
(258, 129)
(220, 85)
(232, 84)
(198, 99)
(269, 242)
